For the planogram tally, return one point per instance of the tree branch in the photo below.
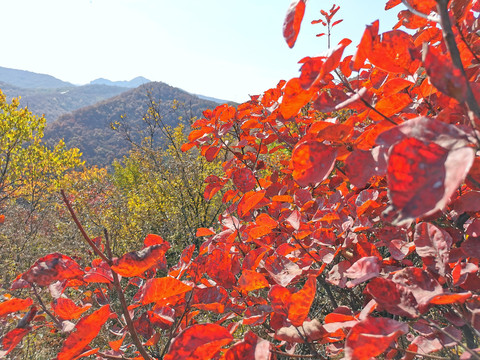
(82, 230)
(123, 302)
(449, 38)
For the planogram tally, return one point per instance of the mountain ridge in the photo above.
(28, 79)
(135, 82)
(89, 128)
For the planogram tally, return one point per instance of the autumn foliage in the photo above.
(351, 227)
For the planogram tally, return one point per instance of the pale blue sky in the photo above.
(222, 48)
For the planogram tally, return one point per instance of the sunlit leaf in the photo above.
(158, 289)
(252, 347)
(199, 341)
(244, 179)
(137, 262)
(67, 309)
(312, 162)
(85, 331)
(14, 305)
(51, 268)
(293, 21)
(371, 337)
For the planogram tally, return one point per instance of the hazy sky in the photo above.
(222, 48)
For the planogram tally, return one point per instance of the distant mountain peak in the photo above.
(136, 82)
(30, 80)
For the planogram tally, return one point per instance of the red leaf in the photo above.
(279, 297)
(416, 177)
(312, 162)
(365, 46)
(281, 269)
(422, 285)
(159, 289)
(115, 345)
(201, 341)
(163, 317)
(337, 22)
(443, 75)
(251, 348)
(211, 153)
(371, 337)
(450, 298)
(301, 301)
(392, 297)
(362, 270)
(293, 21)
(137, 262)
(220, 267)
(67, 309)
(314, 69)
(51, 268)
(390, 105)
(152, 239)
(360, 166)
(204, 232)
(244, 179)
(390, 52)
(294, 98)
(252, 280)
(85, 331)
(14, 305)
(213, 298)
(424, 154)
(12, 338)
(249, 201)
(295, 306)
(433, 245)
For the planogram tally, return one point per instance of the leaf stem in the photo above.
(44, 308)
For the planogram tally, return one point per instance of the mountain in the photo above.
(54, 102)
(138, 81)
(89, 128)
(218, 101)
(30, 80)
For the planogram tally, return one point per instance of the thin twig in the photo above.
(466, 42)
(346, 83)
(82, 230)
(459, 343)
(42, 305)
(431, 17)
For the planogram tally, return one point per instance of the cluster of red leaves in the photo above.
(351, 226)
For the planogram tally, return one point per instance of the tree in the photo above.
(29, 173)
(346, 234)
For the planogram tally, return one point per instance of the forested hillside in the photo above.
(90, 129)
(55, 102)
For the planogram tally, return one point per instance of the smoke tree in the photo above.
(351, 225)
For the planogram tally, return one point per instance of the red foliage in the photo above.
(352, 188)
